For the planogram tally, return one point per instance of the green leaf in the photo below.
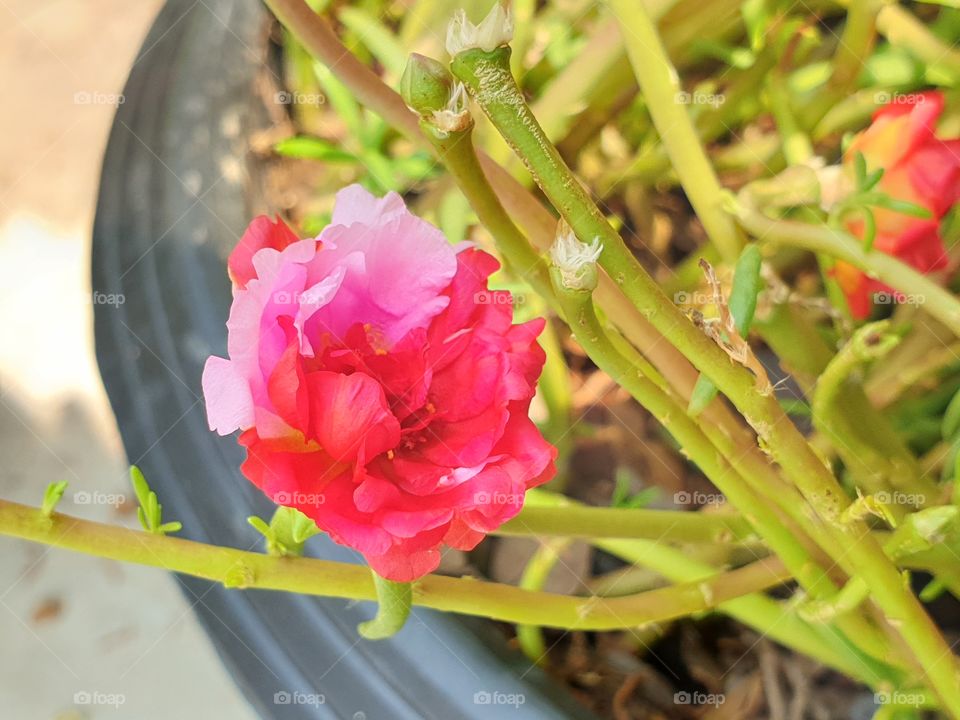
(951, 418)
(395, 600)
(313, 148)
(747, 284)
(902, 206)
(869, 229)
(51, 496)
(150, 512)
(756, 18)
(860, 169)
(288, 530)
(703, 394)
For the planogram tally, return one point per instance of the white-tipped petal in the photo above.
(494, 30)
(575, 261)
(454, 116)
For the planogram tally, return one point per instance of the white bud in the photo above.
(494, 30)
(455, 116)
(835, 185)
(575, 261)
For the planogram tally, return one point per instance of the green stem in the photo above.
(823, 239)
(770, 618)
(247, 570)
(902, 29)
(578, 308)
(535, 574)
(489, 81)
(767, 616)
(854, 47)
(581, 521)
(867, 462)
(661, 89)
(318, 38)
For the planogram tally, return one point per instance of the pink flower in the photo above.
(381, 387)
(920, 167)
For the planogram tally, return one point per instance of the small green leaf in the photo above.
(795, 406)
(395, 600)
(150, 512)
(951, 418)
(871, 180)
(51, 496)
(932, 590)
(288, 530)
(703, 394)
(313, 148)
(860, 170)
(747, 284)
(902, 206)
(869, 229)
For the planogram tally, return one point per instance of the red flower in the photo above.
(381, 387)
(920, 168)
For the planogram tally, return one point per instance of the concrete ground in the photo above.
(82, 637)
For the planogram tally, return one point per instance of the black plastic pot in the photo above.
(174, 197)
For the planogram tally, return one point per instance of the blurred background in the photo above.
(82, 637)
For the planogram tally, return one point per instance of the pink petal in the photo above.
(227, 396)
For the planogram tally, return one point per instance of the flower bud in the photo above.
(495, 30)
(574, 262)
(426, 85)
